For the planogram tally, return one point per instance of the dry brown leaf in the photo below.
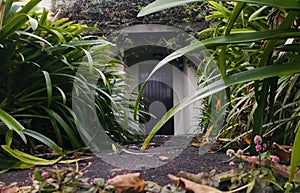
(283, 152)
(9, 189)
(127, 183)
(189, 185)
(246, 139)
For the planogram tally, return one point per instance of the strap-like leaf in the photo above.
(295, 160)
(12, 25)
(159, 5)
(45, 140)
(230, 39)
(250, 75)
(48, 86)
(29, 6)
(29, 159)
(12, 124)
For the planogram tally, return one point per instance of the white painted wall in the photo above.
(184, 84)
(45, 3)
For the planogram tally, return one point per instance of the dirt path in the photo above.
(189, 160)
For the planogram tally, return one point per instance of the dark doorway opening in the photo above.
(156, 91)
(159, 88)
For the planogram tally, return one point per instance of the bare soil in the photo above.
(189, 160)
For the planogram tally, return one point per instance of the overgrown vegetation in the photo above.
(255, 44)
(109, 16)
(256, 47)
(39, 59)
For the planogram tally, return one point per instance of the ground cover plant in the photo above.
(39, 59)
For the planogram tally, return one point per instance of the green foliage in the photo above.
(295, 160)
(66, 180)
(261, 78)
(39, 60)
(119, 14)
(166, 4)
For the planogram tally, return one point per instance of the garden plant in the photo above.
(255, 44)
(40, 55)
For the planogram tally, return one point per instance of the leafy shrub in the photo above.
(39, 59)
(257, 61)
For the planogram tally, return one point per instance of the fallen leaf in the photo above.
(189, 185)
(246, 139)
(197, 178)
(283, 152)
(127, 183)
(197, 144)
(9, 189)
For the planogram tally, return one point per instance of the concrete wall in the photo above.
(184, 84)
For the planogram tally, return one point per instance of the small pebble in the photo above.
(163, 158)
(133, 147)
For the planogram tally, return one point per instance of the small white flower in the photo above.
(230, 152)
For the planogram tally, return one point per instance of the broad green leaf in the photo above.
(295, 159)
(234, 16)
(12, 124)
(27, 158)
(159, 5)
(215, 87)
(45, 140)
(22, 165)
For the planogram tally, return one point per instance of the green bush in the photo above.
(39, 59)
(256, 45)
